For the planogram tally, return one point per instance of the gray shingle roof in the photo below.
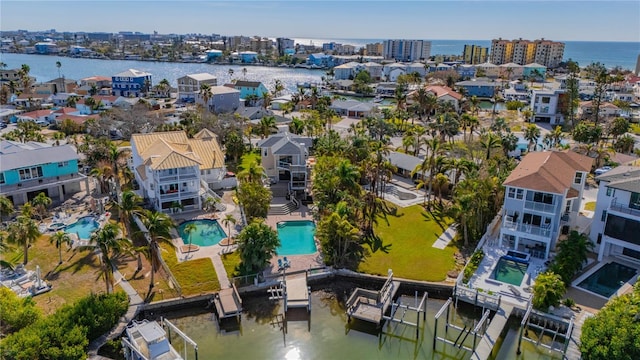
(15, 157)
(404, 161)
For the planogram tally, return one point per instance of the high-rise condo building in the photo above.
(475, 54)
(406, 50)
(523, 52)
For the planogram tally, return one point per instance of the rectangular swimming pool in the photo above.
(296, 238)
(509, 271)
(608, 279)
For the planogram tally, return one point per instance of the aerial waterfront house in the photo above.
(27, 169)
(189, 85)
(284, 158)
(250, 89)
(543, 196)
(130, 83)
(171, 168)
(222, 99)
(545, 106)
(616, 222)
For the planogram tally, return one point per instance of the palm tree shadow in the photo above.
(437, 214)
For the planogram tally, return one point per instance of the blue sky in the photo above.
(431, 20)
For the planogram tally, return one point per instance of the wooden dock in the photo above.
(297, 292)
(368, 305)
(486, 344)
(228, 303)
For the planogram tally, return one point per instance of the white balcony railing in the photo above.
(624, 208)
(538, 206)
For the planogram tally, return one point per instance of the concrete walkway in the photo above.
(135, 303)
(446, 237)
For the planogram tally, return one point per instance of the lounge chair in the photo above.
(280, 265)
(286, 262)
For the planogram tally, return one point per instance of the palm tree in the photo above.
(159, 227)
(625, 144)
(60, 238)
(23, 231)
(527, 114)
(103, 172)
(59, 65)
(490, 141)
(532, 133)
(130, 204)
(278, 88)
(296, 126)
(41, 202)
(205, 92)
(24, 76)
(267, 126)
(110, 245)
(230, 73)
(252, 173)
(189, 229)
(228, 221)
(6, 207)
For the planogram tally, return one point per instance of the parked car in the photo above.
(602, 170)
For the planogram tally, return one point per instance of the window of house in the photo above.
(30, 173)
(603, 217)
(519, 194)
(532, 219)
(634, 201)
(578, 178)
(63, 164)
(511, 193)
(546, 100)
(567, 208)
(610, 191)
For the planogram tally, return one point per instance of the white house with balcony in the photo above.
(173, 170)
(616, 222)
(543, 196)
(284, 158)
(544, 104)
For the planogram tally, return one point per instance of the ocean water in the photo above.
(611, 54)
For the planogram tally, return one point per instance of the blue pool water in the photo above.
(296, 238)
(608, 279)
(510, 271)
(84, 227)
(207, 232)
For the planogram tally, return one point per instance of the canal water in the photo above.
(327, 335)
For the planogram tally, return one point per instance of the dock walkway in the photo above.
(369, 305)
(228, 303)
(486, 344)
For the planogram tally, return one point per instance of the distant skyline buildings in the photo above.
(455, 20)
(475, 54)
(522, 52)
(406, 50)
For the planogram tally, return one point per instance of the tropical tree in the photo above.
(6, 207)
(159, 227)
(340, 240)
(41, 202)
(548, 290)
(488, 142)
(267, 126)
(205, 92)
(532, 134)
(257, 244)
(23, 73)
(571, 255)
(254, 198)
(296, 126)
(619, 126)
(109, 243)
(24, 231)
(227, 221)
(189, 229)
(625, 144)
(130, 204)
(60, 238)
(614, 331)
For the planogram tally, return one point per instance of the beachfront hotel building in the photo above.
(27, 169)
(474, 54)
(406, 50)
(171, 168)
(543, 196)
(522, 52)
(616, 221)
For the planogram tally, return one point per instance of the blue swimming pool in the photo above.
(207, 232)
(83, 227)
(296, 238)
(608, 279)
(510, 271)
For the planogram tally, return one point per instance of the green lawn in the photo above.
(590, 206)
(411, 234)
(231, 262)
(194, 276)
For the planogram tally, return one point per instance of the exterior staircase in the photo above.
(283, 209)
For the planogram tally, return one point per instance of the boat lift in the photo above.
(477, 331)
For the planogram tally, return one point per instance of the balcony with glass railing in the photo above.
(538, 206)
(631, 209)
(543, 231)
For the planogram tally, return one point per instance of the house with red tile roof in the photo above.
(38, 116)
(543, 196)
